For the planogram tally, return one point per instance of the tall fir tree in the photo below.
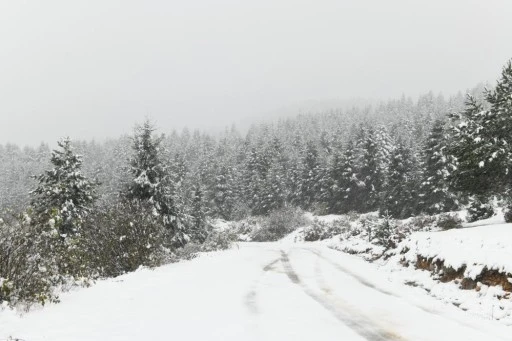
(371, 172)
(482, 141)
(152, 182)
(199, 226)
(309, 185)
(498, 123)
(398, 199)
(437, 165)
(468, 142)
(348, 183)
(225, 195)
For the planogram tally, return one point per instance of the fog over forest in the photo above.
(90, 70)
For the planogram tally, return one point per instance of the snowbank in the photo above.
(474, 248)
(477, 256)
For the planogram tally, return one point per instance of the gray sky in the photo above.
(92, 68)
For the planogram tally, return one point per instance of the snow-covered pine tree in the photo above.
(152, 182)
(273, 194)
(469, 143)
(309, 186)
(370, 170)
(147, 169)
(437, 165)
(335, 186)
(498, 124)
(224, 192)
(384, 231)
(64, 196)
(398, 198)
(253, 179)
(348, 183)
(198, 230)
(482, 143)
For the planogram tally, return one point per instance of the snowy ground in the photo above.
(485, 244)
(259, 291)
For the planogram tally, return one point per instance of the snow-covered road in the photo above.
(267, 291)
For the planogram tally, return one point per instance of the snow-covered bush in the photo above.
(478, 210)
(449, 221)
(315, 231)
(385, 233)
(244, 228)
(320, 230)
(123, 237)
(422, 222)
(365, 227)
(27, 272)
(219, 240)
(507, 213)
(353, 215)
(278, 224)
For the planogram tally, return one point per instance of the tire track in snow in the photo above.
(360, 279)
(353, 319)
(383, 291)
(251, 297)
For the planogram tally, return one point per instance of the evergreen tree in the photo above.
(482, 141)
(273, 194)
(438, 165)
(348, 185)
(344, 186)
(336, 187)
(468, 144)
(64, 195)
(498, 123)
(370, 171)
(152, 182)
(309, 185)
(399, 198)
(198, 230)
(384, 232)
(225, 192)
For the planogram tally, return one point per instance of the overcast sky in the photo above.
(92, 68)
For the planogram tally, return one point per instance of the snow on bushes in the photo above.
(448, 221)
(371, 235)
(320, 230)
(479, 209)
(273, 227)
(27, 274)
(507, 214)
